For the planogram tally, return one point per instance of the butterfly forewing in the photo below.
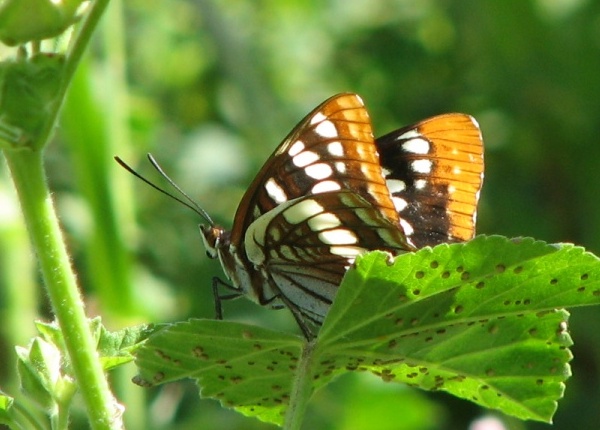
(434, 171)
(331, 149)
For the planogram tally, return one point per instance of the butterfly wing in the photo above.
(327, 231)
(434, 172)
(331, 149)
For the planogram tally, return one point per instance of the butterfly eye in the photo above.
(211, 236)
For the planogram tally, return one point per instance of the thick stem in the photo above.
(302, 388)
(36, 203)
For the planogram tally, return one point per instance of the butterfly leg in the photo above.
(216, 283)
(301, 319)
(308, 331)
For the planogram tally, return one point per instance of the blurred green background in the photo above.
(211, 87)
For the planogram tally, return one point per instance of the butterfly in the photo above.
(331, 191)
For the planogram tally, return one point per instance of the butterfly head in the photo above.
(218, 244)
(215, 238)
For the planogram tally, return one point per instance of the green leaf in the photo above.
(29, 89)
(19, 24)
(41, 375)
(6, 404)
(244, 367)
(476, 319)
(115, 348)
(50, 332)
(45, 372)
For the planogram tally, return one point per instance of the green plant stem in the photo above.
(25, 419)
(60, 420)
(36, 203)
(302, 388)
(80, 41)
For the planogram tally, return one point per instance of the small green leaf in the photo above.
(39, 367)
(6, 404)
(45, 370)
(20, 24)
(115, 348)
(50, 332)
(28, 95)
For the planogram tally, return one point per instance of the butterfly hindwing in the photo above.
(328, 230)
(434, 171)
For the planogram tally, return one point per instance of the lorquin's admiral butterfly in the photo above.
(330, 192)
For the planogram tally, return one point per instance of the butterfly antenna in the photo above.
(188, 202)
